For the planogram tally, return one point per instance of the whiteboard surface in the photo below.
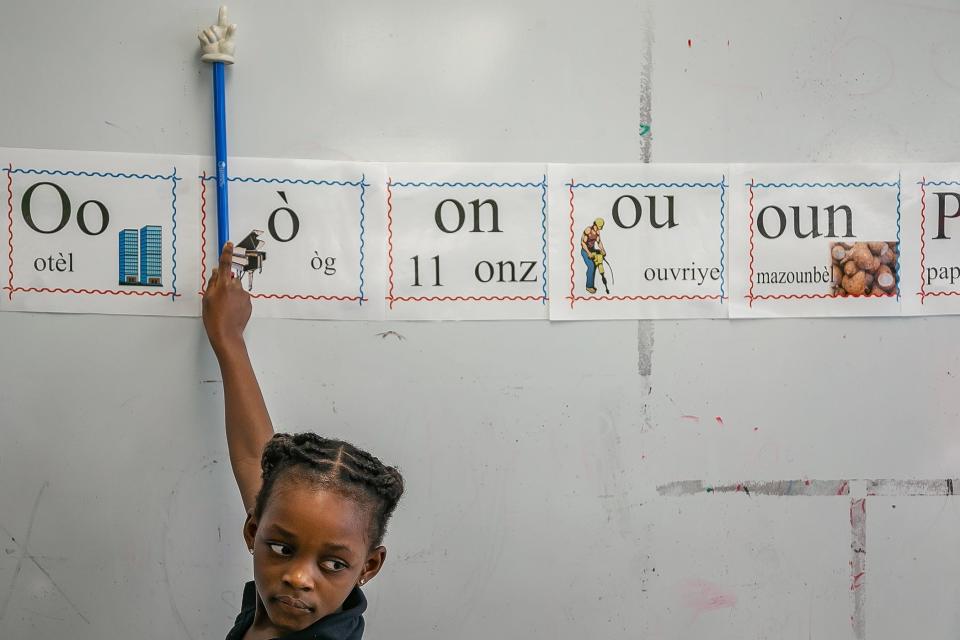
(532, 451)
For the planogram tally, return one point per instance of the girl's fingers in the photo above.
(226, 257)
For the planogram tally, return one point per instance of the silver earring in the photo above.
(250, 550)
(362, 581)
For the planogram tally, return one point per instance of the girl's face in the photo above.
(310, 548)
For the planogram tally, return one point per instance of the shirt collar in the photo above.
(345, 624)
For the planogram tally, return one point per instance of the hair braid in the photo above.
(337, 465)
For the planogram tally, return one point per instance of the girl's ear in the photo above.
(373, 564)
(250, 529)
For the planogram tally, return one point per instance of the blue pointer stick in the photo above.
(217, 45)
(220, 133)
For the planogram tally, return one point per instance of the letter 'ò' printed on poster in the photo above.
(99, 233)
(638, 241)
(815, 240)
(467, 241)
(311, 233)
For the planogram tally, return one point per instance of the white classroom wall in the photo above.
(533, 452)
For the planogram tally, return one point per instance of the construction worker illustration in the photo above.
(594, 255)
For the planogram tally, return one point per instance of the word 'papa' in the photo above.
(949, 274)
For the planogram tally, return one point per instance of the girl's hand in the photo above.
(226, 306)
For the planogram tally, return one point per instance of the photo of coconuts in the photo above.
(864, 268)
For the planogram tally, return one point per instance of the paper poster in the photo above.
(315, 229)
(467, 241)
(638, 241)
(99, 233)
(815, 240)
(931, 272)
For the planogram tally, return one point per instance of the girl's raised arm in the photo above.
(226, 310)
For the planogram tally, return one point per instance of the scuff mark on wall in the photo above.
(646, 93)
(898, 487)
(645, 347)
(858, 565)
(773, 488)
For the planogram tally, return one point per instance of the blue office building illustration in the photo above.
(128, 257)
(141, 261)
(151, 265)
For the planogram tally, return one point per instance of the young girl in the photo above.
(316, 508)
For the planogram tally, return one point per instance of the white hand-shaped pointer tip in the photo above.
(216, 41)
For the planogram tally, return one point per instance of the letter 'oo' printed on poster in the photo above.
(99, 233)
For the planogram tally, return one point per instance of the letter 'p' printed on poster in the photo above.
(931, 231)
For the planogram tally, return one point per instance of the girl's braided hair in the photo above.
(335, 465)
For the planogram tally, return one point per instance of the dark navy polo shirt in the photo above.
(346, 624)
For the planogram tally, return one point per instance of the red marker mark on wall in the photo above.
(703, 596)
(857, 581)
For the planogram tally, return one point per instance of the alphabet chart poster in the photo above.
(99, 233)
(638, 241)
(931, 273)
(816, 240)
(467, 241)
(322, 228)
